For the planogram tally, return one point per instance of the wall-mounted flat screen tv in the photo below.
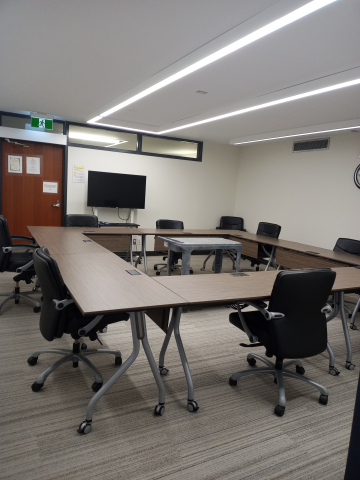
(116, 190)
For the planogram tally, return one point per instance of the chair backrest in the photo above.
(269, 229)
(80, 220)
(300, 295)
(5, 241)
(231, 223)
(52, 321)
(347, 245)
(172, 224)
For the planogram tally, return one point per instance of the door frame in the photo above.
(64, 166)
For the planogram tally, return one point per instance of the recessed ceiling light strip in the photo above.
(297, 135)
(268, 104)
(252, 37)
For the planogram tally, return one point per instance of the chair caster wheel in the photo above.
(202, 269)
(96, 386)
(251, 362)
(279, 410)
(350, 366)
(84, 427)
(353, 327)
(192, 406)
(349, 315)
(32, 361)
(83, 346)
(155, 267)
(35, 387)
(234, 268)
(323, 399)
(191, 272)
(157, 273)
(36, 309)
(103, 330)
(159, 410)
(118, 361)
(300, 370)
(163, 371)
(232, 382)
(334, 371)
(16, 300)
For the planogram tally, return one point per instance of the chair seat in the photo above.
(18, 259)
(257, 324)
(75, 320)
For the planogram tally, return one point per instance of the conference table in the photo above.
(225, 289)
(101, 282)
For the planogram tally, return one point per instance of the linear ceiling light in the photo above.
(95, 138)
(298, 135)
(116, 143)
(242, 42)
(268, 104)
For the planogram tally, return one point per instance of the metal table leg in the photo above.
(349, 365)
(185, 263)
(355, 311)
(138, 330)
(218, 260)
(163, 370)
(131, 251)
(238, 258)
(143, 242)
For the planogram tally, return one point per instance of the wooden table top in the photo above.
(68, 240)
(100, 283)
(225, 287)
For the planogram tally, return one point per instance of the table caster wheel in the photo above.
(36, 387)
(334, 371)
(202, 269)
(163, 371)
(36, 309)
(192, 406)
(350, 366)
(118, 361)
(155, 267)
(158, 273)
(300, 370)
(32, 361)
(323, 399)
(353, 327)
(83, 346)
(251, 361)
(96, 386)
(232, 382)
(84, 427)
(279, 410)
(159, 410)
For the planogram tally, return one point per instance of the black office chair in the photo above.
(20, 262)
(227, 223)
(268, 230)
(81, 220)
(347, 245)
(175, 257)
(293, 326)
(60, 315)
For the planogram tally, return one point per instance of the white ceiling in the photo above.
(77, 58)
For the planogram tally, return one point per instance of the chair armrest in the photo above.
(327, 309)
(21, 237)
(259, 305)
(84, 330)
(18, 247)
(61, 304)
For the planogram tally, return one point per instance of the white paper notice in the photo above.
(33, 165)
(78, 174)
(15, 164)
(50, 187)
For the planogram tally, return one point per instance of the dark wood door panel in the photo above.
(23, 200)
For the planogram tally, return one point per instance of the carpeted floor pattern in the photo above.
(234, 435)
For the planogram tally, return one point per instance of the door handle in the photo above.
(57, 204)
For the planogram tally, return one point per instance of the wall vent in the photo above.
(309, 145)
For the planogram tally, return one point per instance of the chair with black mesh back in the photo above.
(347, 245)
(227, 223)
(60, 315)
(174, 256)
(293, 326)
(81, 220)
(17, 258)
(265, 251)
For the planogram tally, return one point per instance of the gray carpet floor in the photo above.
(234, 435)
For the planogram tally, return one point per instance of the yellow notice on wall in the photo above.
(78, 174)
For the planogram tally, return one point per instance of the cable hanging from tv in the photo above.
(126, 219)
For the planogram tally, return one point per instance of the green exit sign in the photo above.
(46, 123)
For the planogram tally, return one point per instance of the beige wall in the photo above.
(198, 193)
(311, 195)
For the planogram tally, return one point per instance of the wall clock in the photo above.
(357, 176)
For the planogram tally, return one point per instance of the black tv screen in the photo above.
(116, 190)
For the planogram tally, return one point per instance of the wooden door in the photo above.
(25, 175)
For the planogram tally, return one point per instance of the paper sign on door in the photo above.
(50, 187)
